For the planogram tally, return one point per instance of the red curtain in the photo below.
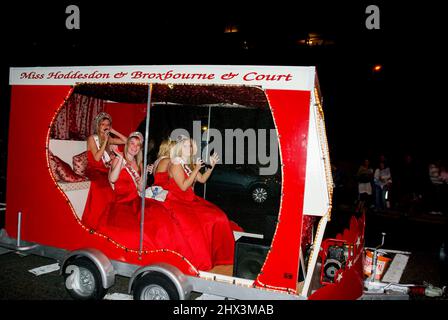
(75, 118)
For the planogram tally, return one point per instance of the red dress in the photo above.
(204, 224)
(100, 193)
(122, 221)
(161, 179)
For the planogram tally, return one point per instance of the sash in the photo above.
(105, 157)
(134, 174)
(186, 168)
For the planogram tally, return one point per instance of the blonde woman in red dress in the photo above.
(160, 167)
(100, 146)
(207, 226)
(122, 222)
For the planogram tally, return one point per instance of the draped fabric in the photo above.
(205, 225)
(100, 194)
(122, 221)
(75, 118)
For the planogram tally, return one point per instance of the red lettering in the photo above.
(251, 76)
(31, 75)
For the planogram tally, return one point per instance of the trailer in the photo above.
(43, 215)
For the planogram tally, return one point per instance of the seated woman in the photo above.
(194, 214)
(122, 221)
(99, 154)
(160, 167)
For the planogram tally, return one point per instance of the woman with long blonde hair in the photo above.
(100, 147)
(207, 226)
(159, 168)
(122, 222)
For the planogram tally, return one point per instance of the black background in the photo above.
(400, 109)
(393, 111)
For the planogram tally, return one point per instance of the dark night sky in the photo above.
(392, 111)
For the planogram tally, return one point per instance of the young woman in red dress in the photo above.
(100, 146)
(207, 226)
(160, 167)
(122, 221)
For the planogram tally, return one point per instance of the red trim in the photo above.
(290, 110)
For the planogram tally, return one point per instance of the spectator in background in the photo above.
(444, 172)
(383, 182)
(435, 187)
(444, 187)
(341, 196)
(365, 179)
(409, 184)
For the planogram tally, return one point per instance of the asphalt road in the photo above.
(420, 235)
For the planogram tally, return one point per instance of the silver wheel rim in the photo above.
(154, 292)
(86, 283)
(259, 194)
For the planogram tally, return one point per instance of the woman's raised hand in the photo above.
(106, 137)
(199, 163)
(149, 168)
(113, 148)
(214, 159)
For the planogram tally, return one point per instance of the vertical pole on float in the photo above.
(206, 148)
(144, 171)
(19, 227)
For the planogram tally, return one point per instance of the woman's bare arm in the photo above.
(121, 139)
(202, 178)
(91, 146)
(117, 165)
(177, 173)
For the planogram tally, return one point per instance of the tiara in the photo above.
(136, 134)
(181, 138)
(102, 115)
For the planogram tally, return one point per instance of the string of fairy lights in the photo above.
(282, 166)
(329, 179)
(118, 245)
(90, 230)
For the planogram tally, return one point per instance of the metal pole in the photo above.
(145, 163)
(302, 262)
(206, 148)
(19, 227)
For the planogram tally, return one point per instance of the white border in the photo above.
(282, 77)
(316, 199)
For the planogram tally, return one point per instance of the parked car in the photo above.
(244, 180)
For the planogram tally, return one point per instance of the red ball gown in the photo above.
(100, 193)
(122, 222)
(203, 223)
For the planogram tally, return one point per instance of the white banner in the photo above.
(268, 77)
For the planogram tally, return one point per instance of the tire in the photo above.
(250, 265)
(155, 286)
(84, 281)
(259, 194)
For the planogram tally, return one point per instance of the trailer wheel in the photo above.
(155, 286)
(259, 194)
(83, 280)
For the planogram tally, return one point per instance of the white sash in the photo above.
(134, 174)
(105, 157)
(186, 168)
